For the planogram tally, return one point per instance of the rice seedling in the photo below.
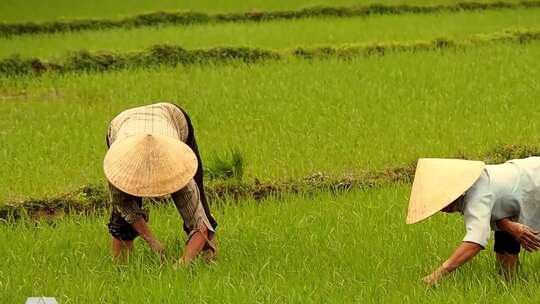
(226, 165)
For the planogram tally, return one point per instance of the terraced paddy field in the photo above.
(342, 113)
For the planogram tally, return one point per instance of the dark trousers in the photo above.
(506, 243)
(192, 143)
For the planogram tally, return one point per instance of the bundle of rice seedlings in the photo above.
(226, 165)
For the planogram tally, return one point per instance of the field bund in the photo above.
(310, 33)
(189, 18)
(170, 55)
(94, 199)
(54, 10)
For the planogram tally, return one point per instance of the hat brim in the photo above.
(149, 165)
(439, 182)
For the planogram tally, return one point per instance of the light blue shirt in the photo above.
(509, 190)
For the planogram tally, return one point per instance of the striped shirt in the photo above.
(160, 118)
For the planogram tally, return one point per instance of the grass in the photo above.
(300, 249)
(305, 32)
(33, 10)
(289, 119)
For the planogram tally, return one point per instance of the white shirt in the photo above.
(509, 190)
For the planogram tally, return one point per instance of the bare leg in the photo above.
(146, 233)
(121, 248)
(507, 264)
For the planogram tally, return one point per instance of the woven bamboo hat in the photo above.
(438, 182)
(149, 165)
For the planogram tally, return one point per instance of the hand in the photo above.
(181, 263)
(434, 278)
(430, 280)
(525, 235)
(144, 231)
(158, 248)
(210, 256)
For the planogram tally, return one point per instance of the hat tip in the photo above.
(148, 137)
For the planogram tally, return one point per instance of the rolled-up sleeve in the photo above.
(188, 203)
(128, 206)
(477, 207)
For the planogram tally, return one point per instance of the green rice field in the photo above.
(289, 119)
(295, 250)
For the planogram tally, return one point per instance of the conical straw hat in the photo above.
(438, 182)
(149, 165)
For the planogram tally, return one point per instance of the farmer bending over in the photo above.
(504, 198)
(153, 153)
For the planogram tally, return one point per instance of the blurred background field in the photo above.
(33, 10)
(301, 32)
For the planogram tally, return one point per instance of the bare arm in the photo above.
(462, 254)
(194, 246)
(144, 231)
(526, 236)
